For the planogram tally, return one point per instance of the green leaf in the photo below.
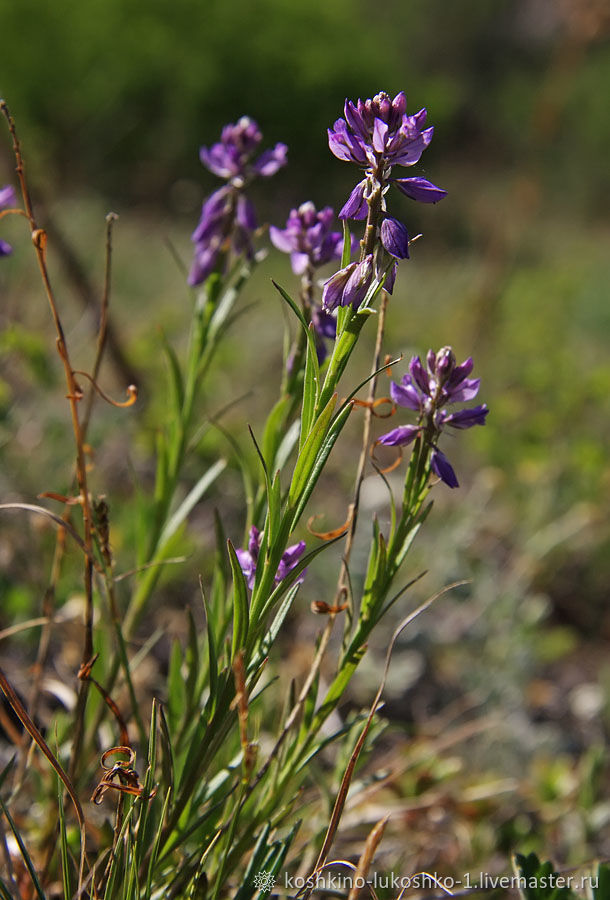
(176, 693)
(288, 443)
(336, 689)
(274, 430)
(240, 603)
(176, 382)
(602, 877)
(311, 389)
(328, 443)
(307, 456)
(311, 341)
(346, 253)
(24, 853)
(541, 881)
(156, 846)
(190, 501)
(63, 845)
(212, 656)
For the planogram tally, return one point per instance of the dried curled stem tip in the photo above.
(321, 608)
(39, 239)
(132, 391)
(373, 404)
(336, 532)
(127, 779)
(389, 468)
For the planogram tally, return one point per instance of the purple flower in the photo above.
(427, 390)
(308, 238)
(228, 219)
(248, 559)
(378, 134)
(7, 199)
(349, 286)
(231, 158)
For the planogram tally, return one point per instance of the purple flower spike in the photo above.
(248, 559)
(377, 134)
(228, 219)
(378, 131)
(7, 199)
(427, 390)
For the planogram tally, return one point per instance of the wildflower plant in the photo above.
(216, 806)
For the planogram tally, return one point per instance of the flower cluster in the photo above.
(228, 219)
(308, 238)
(378, 134)
(427, 390)
(248, 559)
(7, 199)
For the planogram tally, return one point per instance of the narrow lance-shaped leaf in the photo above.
(311, 386)
(240, 603)
(328, 443)
(307, 456)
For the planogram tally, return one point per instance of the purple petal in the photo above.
(219, 160)
(466, 418)
(7, 196)
(299, 262)
(358, 283)
(282, 239)
(204, 263)
(270, 161)
(245, 213)
(441, 466)
(247, 565)
(5, 249)
(465, 391)
(356, 206)
(289, 560)
(344, 145)
(388, 284)
(380, 132)
(332, 291)
(354, 119)
(324, 322)
(405, 394)
(459, 374)
(395, 238)
(254, 541)
(399, 437)
(420, 189)
(419, 375)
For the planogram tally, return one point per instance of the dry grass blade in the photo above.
(42, 511)
(35, 734)
(364, 863)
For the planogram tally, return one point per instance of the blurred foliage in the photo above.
(118, 95)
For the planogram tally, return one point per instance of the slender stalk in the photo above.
(39, 241)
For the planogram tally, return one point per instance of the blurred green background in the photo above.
(113, 99)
